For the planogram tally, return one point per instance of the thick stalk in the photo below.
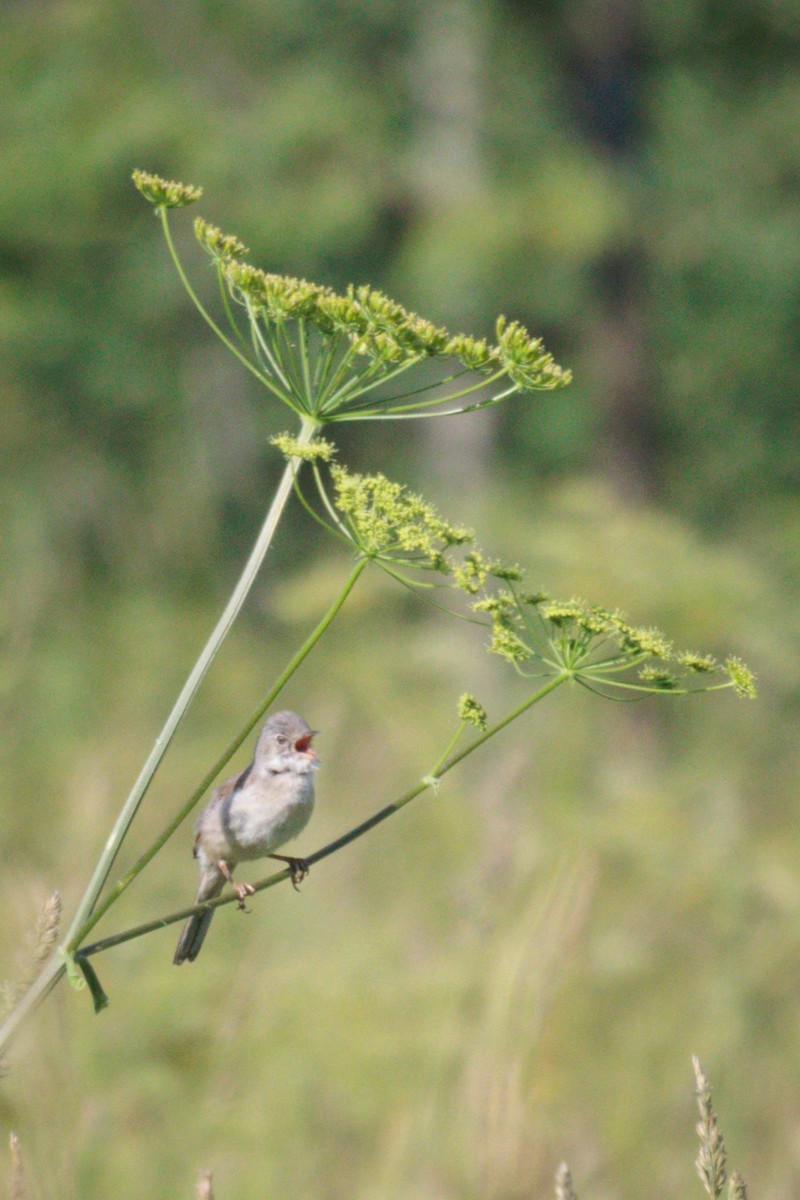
(42, 987)
(55, 968)
(187, 694)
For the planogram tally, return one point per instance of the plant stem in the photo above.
(32, 998)
(307, 431)
(434, 774)
(340, 842)
(80, 922)
(209, 320)
(186, 808)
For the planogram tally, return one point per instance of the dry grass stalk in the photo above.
(712, 1156)
(44, 943)
(16, 1186)
(736, 1187)
(564, 1189)
(205, 1186)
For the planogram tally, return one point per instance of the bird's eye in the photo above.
(282, 739)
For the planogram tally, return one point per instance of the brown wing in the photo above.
(220, 795)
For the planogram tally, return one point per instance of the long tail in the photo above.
(196, 928)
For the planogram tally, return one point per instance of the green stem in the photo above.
(269, 361)
(374, 376)
(209, 320)
(445, 381)
(398, 414)
(222, 761)
(276, 331)
(331, 350)
(431, 401)
(329, 396)
(330, 507)
(226, 305)
(340, 842)
(81, 922)
(129, 809)
(435, 773)
(302, 346)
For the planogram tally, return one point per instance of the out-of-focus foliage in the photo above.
(519, 970)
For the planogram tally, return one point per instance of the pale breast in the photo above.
(265, 813)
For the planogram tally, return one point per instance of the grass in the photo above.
(509, 974)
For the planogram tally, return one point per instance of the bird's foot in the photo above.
(241, 890)
(298, 868)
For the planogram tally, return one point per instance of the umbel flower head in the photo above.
(381, 520)
(387, 521)
(471, 711)
(388, 524)
(540, 636)
(164, 193)
(600, 649)
(334, 357)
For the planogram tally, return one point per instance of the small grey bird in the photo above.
(250, 815)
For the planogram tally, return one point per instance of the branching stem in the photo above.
(339, 843)
(225, 757)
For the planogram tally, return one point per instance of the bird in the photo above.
(250, 815)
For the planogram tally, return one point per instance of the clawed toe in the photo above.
(298, 868)
(241, 890)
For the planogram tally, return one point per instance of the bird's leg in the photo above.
(240, 889)
(298, 868)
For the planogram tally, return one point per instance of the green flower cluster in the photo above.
(538, 635)
(382, 330)
(524, 359)
(324, 354)
(218, 244)
(317, 451)
(597, 646)
(164, 193)
(474, 571)
(389, 523)
(276, 298)
(471, 712)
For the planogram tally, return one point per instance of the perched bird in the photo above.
(250, 815)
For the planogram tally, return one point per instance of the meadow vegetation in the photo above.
(516, 969)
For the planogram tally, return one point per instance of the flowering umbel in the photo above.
(540, 636)
(472, 712)
(383, 521)
(291, 447)
(218, 244)
(599, 648)
(335, 357)
(164, 193)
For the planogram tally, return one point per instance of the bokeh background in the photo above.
(518, 971)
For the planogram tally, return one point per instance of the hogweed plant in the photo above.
(330, 358)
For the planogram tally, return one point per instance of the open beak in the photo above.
(303, 745)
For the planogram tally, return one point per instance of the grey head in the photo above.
(285, 744)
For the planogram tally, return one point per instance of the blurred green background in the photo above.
(518, 971)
